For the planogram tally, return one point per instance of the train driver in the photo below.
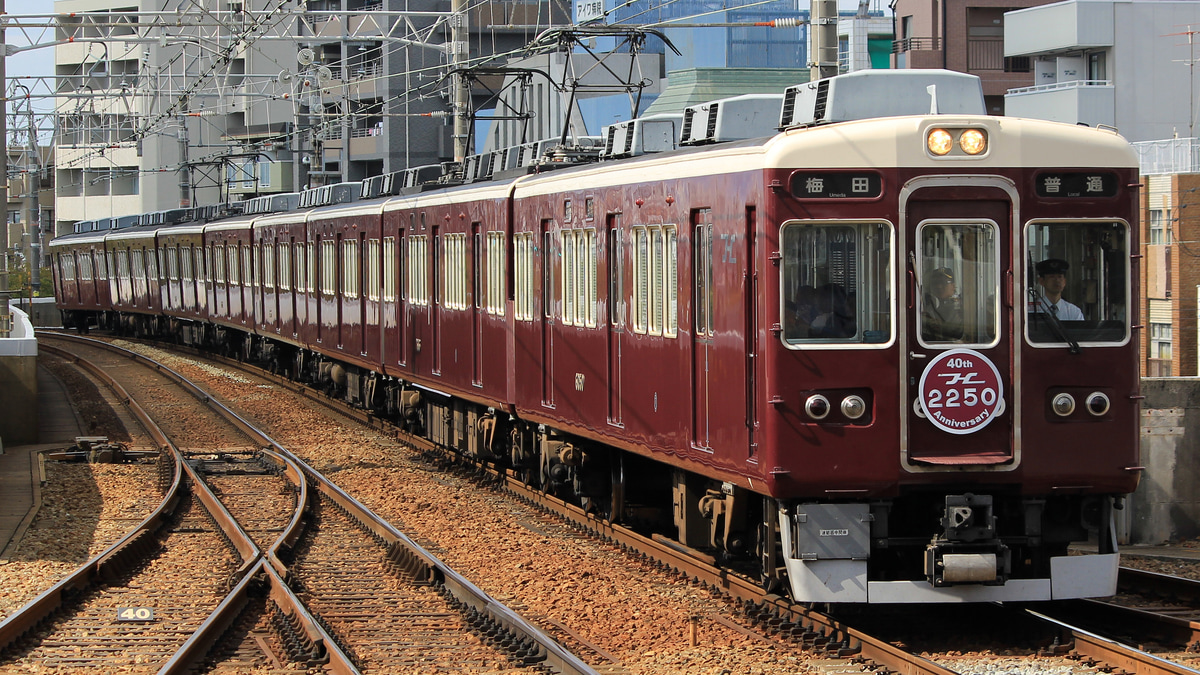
(1052, 277)
(941, 313)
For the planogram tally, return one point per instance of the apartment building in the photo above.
(162, 108)
(1128, 64)
(159, 109)
(967, 36)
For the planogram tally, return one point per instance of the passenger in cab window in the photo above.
(1052, 277)
(941, 313)
(837, 315)
(800, 312)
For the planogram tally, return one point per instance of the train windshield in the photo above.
(837, 286)
(1077, 282)
(959, 275)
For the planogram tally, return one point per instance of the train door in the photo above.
(477, 257)
(439, 293)
(340, 260)
(702, 313)
(358, 278)
(548, 261)
(616, 317)
(959, 367)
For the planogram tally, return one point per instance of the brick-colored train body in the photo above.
(825, 357)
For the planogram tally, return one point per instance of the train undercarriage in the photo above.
(931, 544)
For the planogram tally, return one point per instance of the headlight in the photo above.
(1097, 404)
(1063, 404)
(817, 407)
(853, 407)
(940, 142)
(973, 141)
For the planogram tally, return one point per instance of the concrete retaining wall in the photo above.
(18, 383)
(1166, 505)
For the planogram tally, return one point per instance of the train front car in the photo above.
(952, 382)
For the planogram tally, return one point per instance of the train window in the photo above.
(101, 267)
(232, 269)
(959, 277)
(373, 270)
(328, 267)
(836, 283)
(284, 253)
(547, 269)
(85, 266)
(310, 267)
(418, 266)
(66, 263)
(185, 264)
(216, 263)
(496, 273)
(389, 269)
(616, 281)
(566, 210)
(702, 272)
(579, 277)
(454, 270)
(1077, 282)
(655, 296)
(524, 246)
(248, 277)
(298, 260)
(568, 277)
(267, 256)
(350, 268)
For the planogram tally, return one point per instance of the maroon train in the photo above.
(748, 347)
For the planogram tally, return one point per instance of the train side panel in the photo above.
(665, 370)
(182, 249)
(228, 244)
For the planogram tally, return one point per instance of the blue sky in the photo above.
(35, 62)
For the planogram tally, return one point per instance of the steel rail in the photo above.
(1175, 626)
(1142, 582)
(810, 626)
(322, 648)
(778, 613)
(137, 543)
(406, 552)
(106, 564)
(422, 564)
(1114, 654)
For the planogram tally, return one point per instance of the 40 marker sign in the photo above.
(961, 391)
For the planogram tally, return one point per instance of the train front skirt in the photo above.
(830, 565)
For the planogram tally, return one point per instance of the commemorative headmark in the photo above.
(961, 391)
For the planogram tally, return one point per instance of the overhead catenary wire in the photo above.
(157, 122)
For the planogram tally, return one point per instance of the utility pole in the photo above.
(822, 39)
(1191, 37)
(459, 84)
(33, 183)
(185, 169)
(4, 272)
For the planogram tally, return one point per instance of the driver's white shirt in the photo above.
(1064, 310)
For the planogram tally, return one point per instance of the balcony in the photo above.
(988, 54)
(1091, 102)
(1056, 28)
(917, 52)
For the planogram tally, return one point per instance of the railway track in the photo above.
(1158, 611)
(126, 609)
(762, 617)
(267, 488)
